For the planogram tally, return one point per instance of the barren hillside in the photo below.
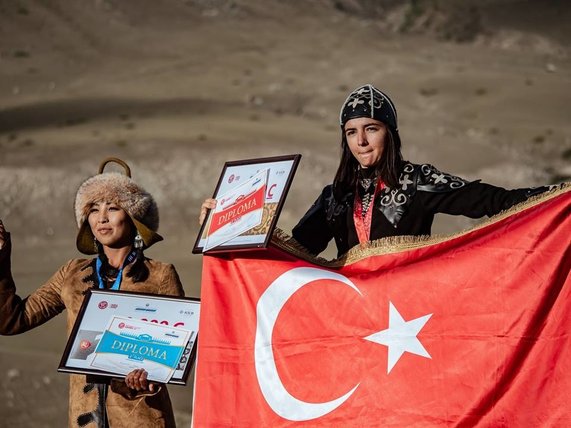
(177, 87)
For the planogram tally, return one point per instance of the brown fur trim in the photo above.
(121, 190)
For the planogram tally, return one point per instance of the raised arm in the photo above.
(18, 315)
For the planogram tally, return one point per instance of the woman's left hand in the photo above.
(137, 380)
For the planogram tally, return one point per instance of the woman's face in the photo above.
(110, 225)
(366, 140)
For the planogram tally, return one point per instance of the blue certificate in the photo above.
(155, 321)
(128, 344)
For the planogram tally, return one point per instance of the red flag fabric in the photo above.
(469, 330)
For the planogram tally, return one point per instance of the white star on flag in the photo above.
(400, 337)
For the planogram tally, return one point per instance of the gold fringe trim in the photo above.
(396, 244)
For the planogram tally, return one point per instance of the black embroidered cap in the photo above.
(368, 101)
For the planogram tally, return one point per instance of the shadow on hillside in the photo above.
(78, 111)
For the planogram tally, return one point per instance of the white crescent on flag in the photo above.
(267, 310)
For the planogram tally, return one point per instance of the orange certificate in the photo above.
(237, 211)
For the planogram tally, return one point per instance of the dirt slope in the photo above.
(178, 87)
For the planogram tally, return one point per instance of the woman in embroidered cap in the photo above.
(117, 221)
(376, 194)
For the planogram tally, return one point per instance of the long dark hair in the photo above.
(388, 168)
(138, 271)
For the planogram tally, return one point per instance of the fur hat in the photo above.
(368, 101)
(123, 191)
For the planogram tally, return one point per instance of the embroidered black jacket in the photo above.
(406, 210)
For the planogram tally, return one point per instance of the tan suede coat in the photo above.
(65, 290)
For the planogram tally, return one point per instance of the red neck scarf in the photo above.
(363, 223)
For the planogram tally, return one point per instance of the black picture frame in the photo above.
(100, 305)
(281, 172)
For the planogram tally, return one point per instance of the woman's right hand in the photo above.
(4, 236)
(137, 380)
(208, 204)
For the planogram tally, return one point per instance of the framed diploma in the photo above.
(118, 331)
(250, 195)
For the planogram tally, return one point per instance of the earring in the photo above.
(138, 241)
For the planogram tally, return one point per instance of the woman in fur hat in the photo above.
(117, 221)
(377, 194)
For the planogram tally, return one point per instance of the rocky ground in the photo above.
(177, 87)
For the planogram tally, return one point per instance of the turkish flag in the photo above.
(469, 330)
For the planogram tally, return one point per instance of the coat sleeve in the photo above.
(313, 231)
(170, 283)
(19, 315)
(474, 199)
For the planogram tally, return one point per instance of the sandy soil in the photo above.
(178, 87)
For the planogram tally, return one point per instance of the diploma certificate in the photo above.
(100, 307)
(237, 211)
(250, 195)
(128, 344)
